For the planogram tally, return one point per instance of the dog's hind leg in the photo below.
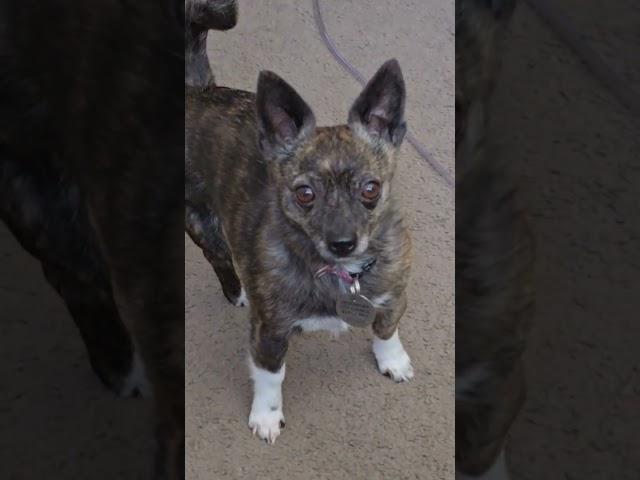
(109, 344)
(45, 213)
(147, 275)
(484, 415)
(204, 229)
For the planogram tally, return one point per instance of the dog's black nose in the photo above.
(342, 247)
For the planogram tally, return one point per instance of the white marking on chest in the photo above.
(334, 325)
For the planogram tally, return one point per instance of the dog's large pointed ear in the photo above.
(378, 113)
(284, 119)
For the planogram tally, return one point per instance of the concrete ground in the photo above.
(344, 419)
(578, 151)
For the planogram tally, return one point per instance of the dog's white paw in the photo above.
(399, 368)
(242, 300)
(266, 418)
(392, 359)
(266, 423)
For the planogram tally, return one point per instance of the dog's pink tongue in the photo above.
(338, 271)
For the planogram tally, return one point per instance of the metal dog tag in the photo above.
(355, 309)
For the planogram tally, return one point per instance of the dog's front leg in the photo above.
(267, 368)
(391, 357)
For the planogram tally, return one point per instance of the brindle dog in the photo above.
(273, 200)
(91, 183)
(494, 255)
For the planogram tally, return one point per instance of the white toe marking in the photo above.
(498, 471)
(266, 409)
(136, 379)
(392, 358)
(335, 325)
(242, 300)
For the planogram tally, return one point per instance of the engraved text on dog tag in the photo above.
(356, 310)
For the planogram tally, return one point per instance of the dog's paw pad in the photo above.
(267, 424)
(241, 300)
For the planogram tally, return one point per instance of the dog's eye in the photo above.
(305, 195)
(371, 191)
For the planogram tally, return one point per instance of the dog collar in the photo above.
(342, 273)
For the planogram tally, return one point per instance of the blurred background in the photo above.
(577, 148)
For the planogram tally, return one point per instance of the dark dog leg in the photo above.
(149, 292)
(231, 286)
(483, 420)
(45, 213)
(204, 229)
(146, 259)
(109, 345)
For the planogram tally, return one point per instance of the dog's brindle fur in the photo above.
(202, 16)
(91, 140)
(242, 171)
(479, 25)
(494, 252)
(45, 212)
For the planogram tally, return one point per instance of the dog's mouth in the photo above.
(347, 273)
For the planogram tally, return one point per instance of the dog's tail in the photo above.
(200, 17)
